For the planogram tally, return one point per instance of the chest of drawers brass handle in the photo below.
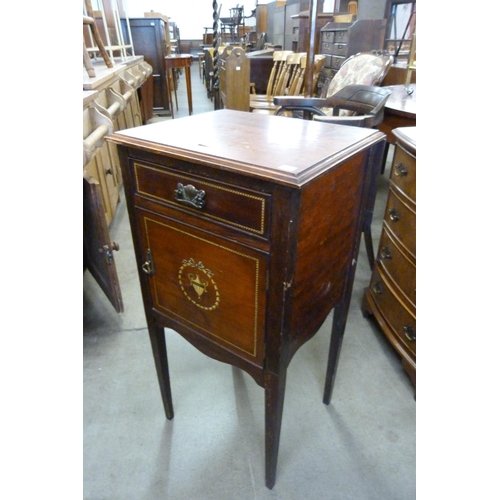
(377, 288)
(393, 214)
(189, 195)
(410, 333)
(400, 170)
(385, 253)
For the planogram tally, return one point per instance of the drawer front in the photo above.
(400, 320)
(239, 208)
(404, 172)
(327, 48)
(339, 49)
(327, 36)
(337, 61)
(400, 268)
(341, 36)
(214, 286)
(400, 218)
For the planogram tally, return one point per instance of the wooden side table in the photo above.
(400, 110)
(179, 61)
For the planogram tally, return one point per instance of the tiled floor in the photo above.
(361, 447)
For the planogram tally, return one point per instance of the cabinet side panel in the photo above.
(329, 224)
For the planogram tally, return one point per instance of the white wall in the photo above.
(191, 16)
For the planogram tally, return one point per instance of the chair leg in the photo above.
(87, 62)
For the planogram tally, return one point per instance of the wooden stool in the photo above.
(179, 61)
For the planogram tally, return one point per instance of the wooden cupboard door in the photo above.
(214, 287)
(97, 245)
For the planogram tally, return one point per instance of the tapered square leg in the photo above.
(275, 396)
(159, 346)
(338, 328)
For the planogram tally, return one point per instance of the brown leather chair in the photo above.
(365, 104)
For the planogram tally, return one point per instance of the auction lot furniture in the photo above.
(246, 229)
(110, 103)
(391, 296)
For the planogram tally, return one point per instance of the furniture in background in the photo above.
(245, 259)
(90, 21)
(400, 110)
(365, 68)
(234, 79)
(110, 103)
(150, 41)
(301, 33)
(365, 102)
(178, 61)
(391, 296)
(286, 82)
(106, 31)
(340, 41)
(275, 77)
(261, 64)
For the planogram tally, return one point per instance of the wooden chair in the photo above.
(287, 80)
(292, 83)
(279, 62)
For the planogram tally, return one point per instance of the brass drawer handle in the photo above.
(410, 333)
(400, 170)
(189, 195)
(385, 253)
(377, 288)
(393, 214)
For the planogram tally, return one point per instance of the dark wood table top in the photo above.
(401, 103)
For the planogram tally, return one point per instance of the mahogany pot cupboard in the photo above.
(246, 230)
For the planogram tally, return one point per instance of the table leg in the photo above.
(159, 346)
(275, 396)
(169, 91)
(188, 86)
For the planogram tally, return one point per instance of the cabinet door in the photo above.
(97, 246)
(212, 286)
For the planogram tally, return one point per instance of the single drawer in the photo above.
(327, 48)
(400, 320)
(398, 266)
(327, 36)
(400, 218)
(404, 172)
(339, 49)
(237, 207)
(337, 61)
(341, 36)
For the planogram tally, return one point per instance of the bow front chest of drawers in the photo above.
(391, 296)
(246, 230)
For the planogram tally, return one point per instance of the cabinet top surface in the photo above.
(407, 135)
(281, 149)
